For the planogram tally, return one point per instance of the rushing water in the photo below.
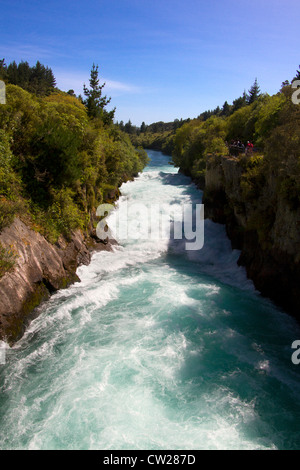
(156, 348)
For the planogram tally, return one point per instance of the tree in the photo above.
(225, 110)
(95, 102)
(128, 128)
(143, 127)
(49, 78)
(254, 93)
(12, 73)
(24, 75)
(239, 102)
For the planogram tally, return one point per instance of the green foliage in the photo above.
(254, 93)
(272, 123)
(268, 117)
(196, 140)
(238, 124)
(253, 179)
(64, 214)
(38, 79)
(7, 260)
(9, 181)
(56, 163)
(153, 140)
(8, 210)
(282, 153)
(156, 136)
(95, 103)
(19, 117)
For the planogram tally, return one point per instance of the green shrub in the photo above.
(9, 209)
(7, 260)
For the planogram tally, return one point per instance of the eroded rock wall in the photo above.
(40, 269)
(265, 229)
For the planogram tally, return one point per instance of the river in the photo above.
(157, 347)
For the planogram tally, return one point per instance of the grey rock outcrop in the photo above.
(40, 269)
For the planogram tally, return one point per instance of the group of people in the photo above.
(236, 147)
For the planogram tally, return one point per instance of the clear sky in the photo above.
(160, 59)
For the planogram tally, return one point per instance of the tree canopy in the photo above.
(38, 79)
(58, 162)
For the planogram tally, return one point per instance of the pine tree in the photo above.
(12, 73)
(24, 74)
(128, 127)
(143, 127)
(225, 110)
(37, 73)
(95, 102)
(42, 80)
(49, 79)
(254, 93)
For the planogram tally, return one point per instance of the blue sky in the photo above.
(160, 59)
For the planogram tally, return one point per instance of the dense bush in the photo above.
(196, 140)
(56, 163)
(272, 123)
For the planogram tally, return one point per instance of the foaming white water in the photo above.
(155, 348)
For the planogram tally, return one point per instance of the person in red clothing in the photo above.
(249, 148)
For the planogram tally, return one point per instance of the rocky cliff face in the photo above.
(262, 226)
(40, 269)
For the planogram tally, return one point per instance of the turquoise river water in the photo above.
(156, 348)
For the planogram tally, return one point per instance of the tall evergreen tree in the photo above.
(12, 73)
(225, 110)
(95, 102)
(254, 92)
(24, 75)
(42, 80)
(49, 78)
(128, 127)
(143, 127)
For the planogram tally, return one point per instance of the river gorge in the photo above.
(156, 347)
